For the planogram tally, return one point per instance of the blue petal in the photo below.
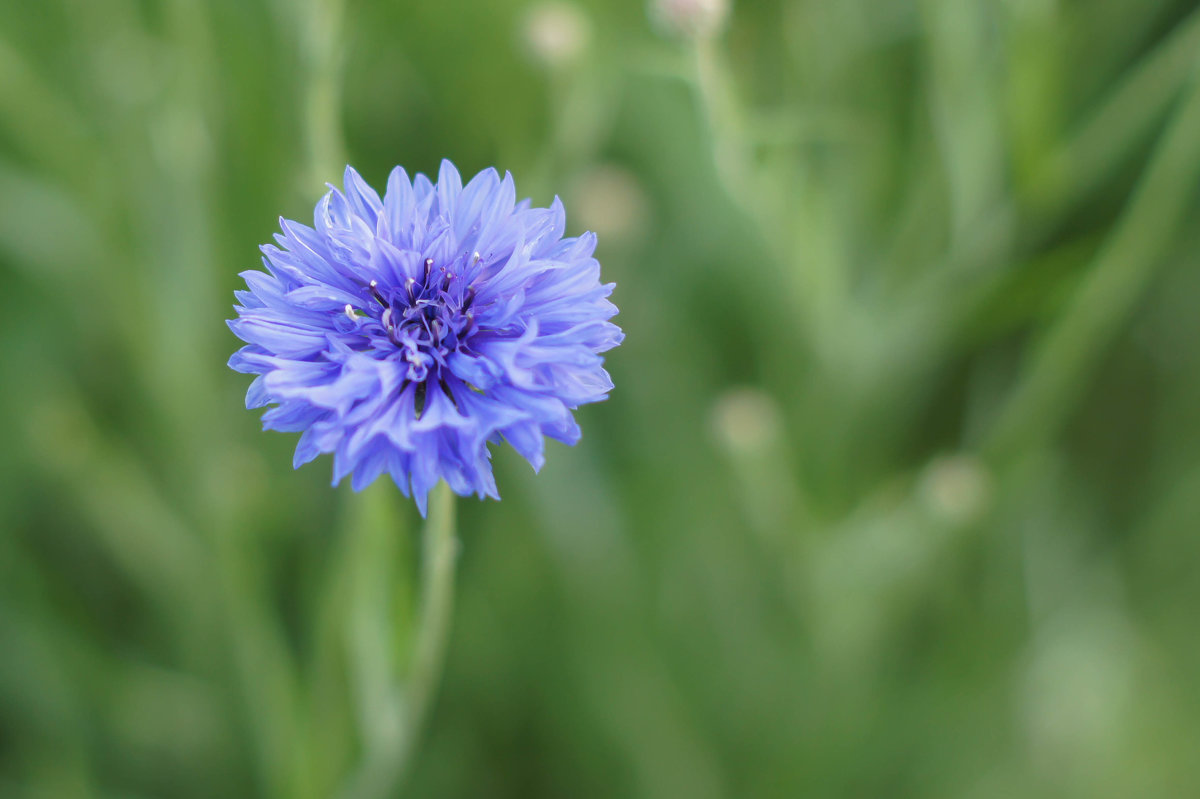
(257, 395)
(449, 187)
(363, 199)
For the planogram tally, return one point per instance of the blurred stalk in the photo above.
(363, 634)
(792, 214)
(1062, 364)
(747, 424)
(1096, 150)
(182, 241)
(363, 629)
(1124, 117)
(580, 102)
(433, 624)
(176, 209)
(972, 271)
(966, 116)
(389, 747)
(579, 96)
(321, 50)
(725, 120)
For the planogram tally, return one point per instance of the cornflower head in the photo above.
(405, 334)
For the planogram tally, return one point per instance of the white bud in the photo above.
(555, 33)
(957, 488)
(746, 420)
(609, 201)
(693, 19)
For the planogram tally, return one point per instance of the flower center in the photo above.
(425, 320)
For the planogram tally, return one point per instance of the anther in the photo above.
(374, 285)
(350, 312)
(428, 268)
(386, 319)
(408, 286)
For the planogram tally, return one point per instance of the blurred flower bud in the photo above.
(746, 421)
(956, 488)
(610, 203)
(693, 19)
(555, 34)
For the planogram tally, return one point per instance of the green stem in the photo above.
(1066, 359)
(390, 746)
(433, 621)
(723, 114)
(322, 43)
(1127, 115)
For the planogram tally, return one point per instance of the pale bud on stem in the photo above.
(690, 19)
(555, 34)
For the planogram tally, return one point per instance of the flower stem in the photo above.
(440, 543)
(391, 741)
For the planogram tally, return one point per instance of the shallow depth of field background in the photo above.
(897, 494)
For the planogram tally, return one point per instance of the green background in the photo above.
(897, 494)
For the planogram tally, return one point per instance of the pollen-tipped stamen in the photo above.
(374, 286)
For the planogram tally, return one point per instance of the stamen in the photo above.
(472, 269)
(374, 285)
(350, 313)
(425, 322)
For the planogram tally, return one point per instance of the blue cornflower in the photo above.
(405, 334)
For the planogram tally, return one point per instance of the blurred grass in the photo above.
(897, 494)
